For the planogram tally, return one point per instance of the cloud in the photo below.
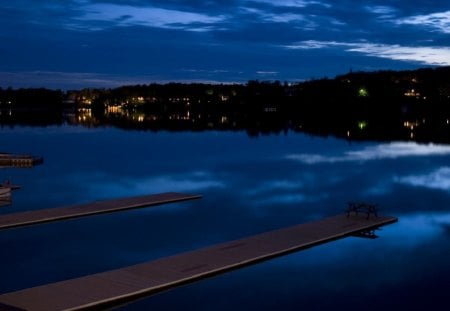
(427, 55)
(294, 14)
(79, 80)
(292, 3)
(102, 15)
(381, 10)
(284, 18)
(267, 73)
(378, 152)
(438, 21)
(430, 55)
(438, 179)
(54, 79)
(242, 37)
(268, 16)
(313, 44)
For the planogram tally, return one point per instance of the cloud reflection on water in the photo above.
(413, 230)
(378, 152)
(249, 187)
(410, 232)
(438, 179)
(192, 181)
(278, 192)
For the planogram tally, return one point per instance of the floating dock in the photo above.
(99, 207)
(115, 287)
(17, 160)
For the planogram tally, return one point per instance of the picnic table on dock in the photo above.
(110, 288)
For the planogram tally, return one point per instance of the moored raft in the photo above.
(19, 160)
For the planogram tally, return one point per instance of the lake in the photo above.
(249, 185)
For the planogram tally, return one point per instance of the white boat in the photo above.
(8, 184)
(5, 192)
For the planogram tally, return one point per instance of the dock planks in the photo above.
(122, 285)
(18, 160)
(99, 207)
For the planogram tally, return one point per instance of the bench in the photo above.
(357, 207)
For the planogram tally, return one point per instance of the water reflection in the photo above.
(417, 229)
(197, 182)
(5, 201)
(378, 152)
(249, 186)
(437, 179)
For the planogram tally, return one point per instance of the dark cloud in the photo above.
(220, 40)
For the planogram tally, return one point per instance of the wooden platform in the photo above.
(100, 207)
(119, 286)
(19, 160)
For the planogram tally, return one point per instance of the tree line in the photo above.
(369, 105)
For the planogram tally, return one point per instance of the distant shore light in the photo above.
(362, 92)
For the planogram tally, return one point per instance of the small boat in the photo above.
(7, 184)
(5, 193)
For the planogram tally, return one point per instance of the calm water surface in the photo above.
(250, 185)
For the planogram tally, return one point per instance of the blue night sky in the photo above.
(94, 43)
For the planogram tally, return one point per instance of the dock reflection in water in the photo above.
(249, 185)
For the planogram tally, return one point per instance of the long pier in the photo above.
(114, 287)
(100, 207)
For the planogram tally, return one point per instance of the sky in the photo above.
(74, 44)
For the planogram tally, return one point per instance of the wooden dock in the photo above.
(18, 160)
(99, 207)
(114, 287)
